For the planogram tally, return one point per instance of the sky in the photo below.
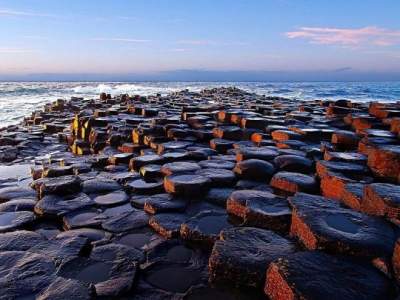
(174, 39)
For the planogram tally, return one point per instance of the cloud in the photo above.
(365, 36)
(178, 50)
(210, 43)
(17, 13)
(125, 40)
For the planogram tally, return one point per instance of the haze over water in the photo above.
(19, 99)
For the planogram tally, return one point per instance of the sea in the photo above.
(19, 99)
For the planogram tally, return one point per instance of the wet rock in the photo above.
(28, 272)
(254, 169)
(10, 193)
(384, 162)
(56, 206)
(345, 139)
(100, 185)
(218, 177)
(256, 153)
(83, 218)
(168, 225)
(204, 228)
(187, 185)
(284, 135)
(293, 163)
(352, 195)
(58, 171)
(320, 223)
(137, 162)
(10, 221)
(218, 196)
(111, 199)
(141, 186)
(350, 157)
(260, 209)
(221, 145)
(315, 275)
(179, 168)
(90, 233)
(163, 203)
(20, 240)
(242, 255)
(323, 168)
(126, 221)
(63, 288)
(382, 199)
(292, 182)
(150, 172)
(62, 185)
(21, 204)
(217, 164)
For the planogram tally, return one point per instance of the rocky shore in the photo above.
(221, 194)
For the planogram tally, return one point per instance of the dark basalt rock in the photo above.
(382, 199)
(20, 240)
(62, 185)
(111, 199)
(100, 185)
(58, 171)
(187, 185)
(150, 172)
(261, 153)
(353, 195)
(321, 223)
(163, 203)
(15, 192)
(20, 204)
(350, 157)
(65, 289)
(90, 233)
(260, 209)
(242, 255)
(315, 275)
(292, 182)
(168, 225)
(204, 228)
(10, 221)
(83, 218)
(217, 164)
(218, 196)
(126, 221)
(141, 186)
(346, 168)
(180, 167)
(56, 206)
(28, 272)
(218, 177)
(293, 163)
(254, 169)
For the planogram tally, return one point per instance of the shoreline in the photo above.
(130, 191)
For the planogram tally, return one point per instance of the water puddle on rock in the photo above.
(94, 273)
(173, 278)
(342, 223)
(19, 173)
(212, 224)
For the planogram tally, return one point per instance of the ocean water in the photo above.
(19, 99)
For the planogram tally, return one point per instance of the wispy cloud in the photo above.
(354, 37)
(179, 50)
(210, 43)
(18, 13)
(124, 40)
(15, 50)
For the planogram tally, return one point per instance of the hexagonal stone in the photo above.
(242, 255)
(20, 240)
(163, 203)
(168, 225)
(345, 139)
(353, 195)
(218, 177)
(143, 187)
(293, 163)
(323, 167)
(260, 209)
(204, 228)
(10, 221)
(262, 153)
(64, 288)
(217, 164)
(221, 145)
(15, 192)
(137, 162)
(382, 199)
(21, 204)
(83, 218)
(111, 199)
(180, 167)
(126, 221)
(218, 196)
(57, 171)
(62, 185)
(321, 223)
(100, 185)
(55, 206)
(254, 169)
(350, 157)
(316, 275)
(187, 185)
(384, 162)
(284, 135)
(292, 182)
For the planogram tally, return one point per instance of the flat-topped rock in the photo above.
(382, 199)
(187, 185)
(260, 209)
(292, 182)
(242, 255)
(254, 169)
(56, 206)
(168, 225)
(316, 275)
(293, 163)
(163, 203)
(111, 199)
(62, 185)
(218, 177)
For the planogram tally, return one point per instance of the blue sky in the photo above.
(147, 36)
